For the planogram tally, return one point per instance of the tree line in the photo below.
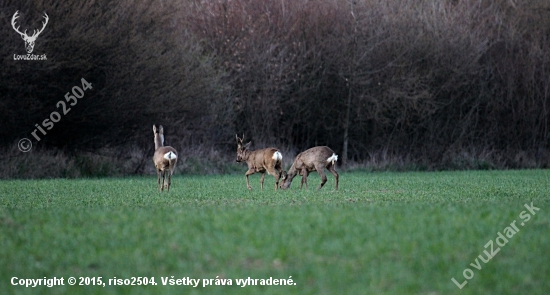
(434, 84)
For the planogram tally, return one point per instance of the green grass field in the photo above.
(381, 233)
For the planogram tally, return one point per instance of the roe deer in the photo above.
(269, 159)
(314, 159)
(165, 158)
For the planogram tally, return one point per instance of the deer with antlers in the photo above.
(29, 40)
(265, 160)
(165, 159)
(314, 159)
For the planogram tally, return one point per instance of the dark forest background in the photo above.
(399, 84)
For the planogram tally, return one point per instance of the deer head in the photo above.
(158, 136)
(29, 40)
(241, 150)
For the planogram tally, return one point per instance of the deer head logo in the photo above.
(29, 40)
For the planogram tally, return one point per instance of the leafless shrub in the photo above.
(431, 84)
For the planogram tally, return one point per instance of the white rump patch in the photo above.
(277, 156)
(170, 156)
(333, 158)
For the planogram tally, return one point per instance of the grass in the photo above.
(381, 233)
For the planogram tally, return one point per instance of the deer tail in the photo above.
(277, 156)
(170, 156)
(333, 158)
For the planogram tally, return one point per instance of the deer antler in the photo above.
(43, 25)
(15, 16)
(239, 140)
(35, 34)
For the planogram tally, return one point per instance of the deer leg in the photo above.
(333, 171)
(304, 174)
(249, 172)
(277, 178)
(158, 179)
(278, 174)
(323, 177)
(163, 177)
(262, 180)
(169, 181)
(248, 183)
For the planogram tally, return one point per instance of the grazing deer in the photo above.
(269, 159)
(165, 158)
(29, 40)
(315, 159)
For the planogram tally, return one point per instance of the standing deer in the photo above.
(29, 40)
(269, 159)
(165, 158)
(314, 159)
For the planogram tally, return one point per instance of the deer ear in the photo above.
(154, 129)
(161, 130)
(246, 146)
